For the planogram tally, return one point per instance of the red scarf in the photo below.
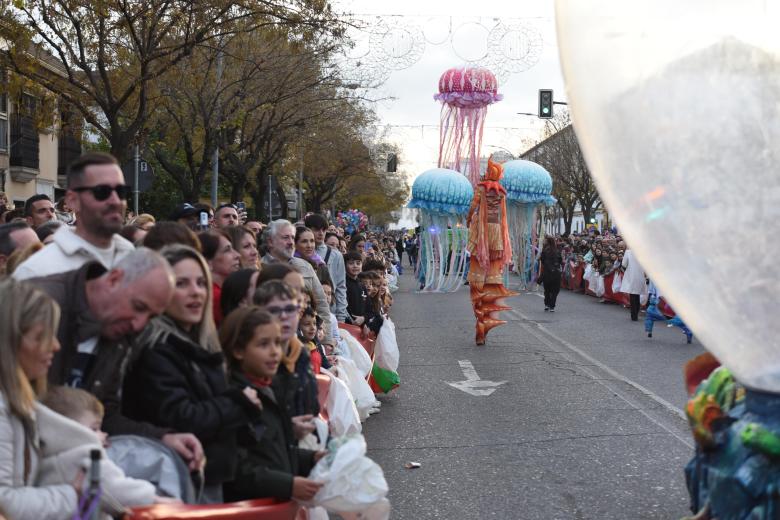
(259, 382)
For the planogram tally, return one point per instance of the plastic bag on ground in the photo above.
(361, 391)
(343, 417)
(353, 483)
(386, 353)
(357, 353)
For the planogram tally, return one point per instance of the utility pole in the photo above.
(300, 189)
(136, 191)
(215, 154)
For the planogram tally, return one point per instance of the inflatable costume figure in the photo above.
(490, 251)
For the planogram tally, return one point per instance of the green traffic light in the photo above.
(546, 110)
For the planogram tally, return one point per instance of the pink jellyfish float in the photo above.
(465, 93)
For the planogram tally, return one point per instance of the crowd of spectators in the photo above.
(201, 330)
(603, 259)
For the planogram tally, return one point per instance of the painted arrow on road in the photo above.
(473, 384)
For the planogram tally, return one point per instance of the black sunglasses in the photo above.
(103, 191)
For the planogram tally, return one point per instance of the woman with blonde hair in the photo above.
(28, 319)
(144, 221)
(180, 382)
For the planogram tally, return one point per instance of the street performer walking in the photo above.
(490, 251)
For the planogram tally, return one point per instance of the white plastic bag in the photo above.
(352, 482)
(316, 442)
(317, 513)
(386, 354)
(343, 417)
(597, 284)
(361, 390)
(357, 353)
(644, 295)
(616, 281)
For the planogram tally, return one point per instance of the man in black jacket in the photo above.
(101, 311)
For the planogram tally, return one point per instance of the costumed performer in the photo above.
(490, 251)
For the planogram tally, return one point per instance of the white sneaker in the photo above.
(377, 404)
(372, 411)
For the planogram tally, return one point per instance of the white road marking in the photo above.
(473, 385)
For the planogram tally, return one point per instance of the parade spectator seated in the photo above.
(168, 233)
(98, 194)
(270, 464)
(101, 311)
(38, 210)
(179, 380)
(14, 236)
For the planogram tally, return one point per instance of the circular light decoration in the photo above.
(516, 46)
(437, 29)
(397, 45)
(469, 42)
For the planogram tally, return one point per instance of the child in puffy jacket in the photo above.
(69, 428)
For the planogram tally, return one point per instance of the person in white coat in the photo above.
(28, 319)
(634, 283)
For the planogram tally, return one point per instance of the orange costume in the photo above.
(490, 251)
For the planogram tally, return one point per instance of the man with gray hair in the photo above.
(101, 312)
(280, 243)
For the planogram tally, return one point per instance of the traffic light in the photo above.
(392, 163)
(545, 103)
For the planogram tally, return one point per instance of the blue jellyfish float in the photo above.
(442, 197)
(528, 186)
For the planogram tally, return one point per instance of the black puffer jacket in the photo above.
(178, 384)
(268, 455)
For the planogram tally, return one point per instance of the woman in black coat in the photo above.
(179, 380)
(550, 263)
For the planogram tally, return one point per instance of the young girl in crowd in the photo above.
(180, 381)
(28, 319)
(307, 333)
(372, 281)
(295, 377)
(270, 464)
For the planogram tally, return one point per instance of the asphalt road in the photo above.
(587, 425)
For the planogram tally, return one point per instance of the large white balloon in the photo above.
(677, 108)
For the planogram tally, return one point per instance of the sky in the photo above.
(463, 28)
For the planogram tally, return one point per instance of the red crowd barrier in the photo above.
(260, 509)
(575, 284)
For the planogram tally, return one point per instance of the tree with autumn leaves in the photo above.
(253, 81)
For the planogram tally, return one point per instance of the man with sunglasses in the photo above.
(97, 193)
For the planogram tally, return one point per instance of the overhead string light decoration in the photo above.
(382, 44)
